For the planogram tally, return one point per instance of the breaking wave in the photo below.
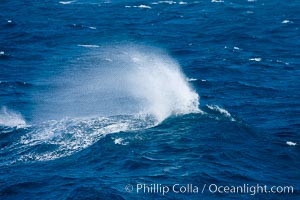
(124, 88)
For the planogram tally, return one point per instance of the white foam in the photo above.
(9, 21)
(69, 136)
(255, 59)
(11, 119)
(143, 6)
(66, 2)
(165, 2)
(191, 79)
(182, 2)
(140, 6)
(120, 141)
(92, 27)
(236, 48)
(291, 143)
(217, 1)
(286, 21)
(88, 45)
(2, 52)
(221, 111)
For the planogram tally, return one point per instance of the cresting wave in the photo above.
(126, 88)
(160, 85)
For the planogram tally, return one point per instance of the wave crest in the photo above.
(160, 85)
(139, 86)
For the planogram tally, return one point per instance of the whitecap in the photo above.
(286, 21)
(217, 1)
(66, 2)
(191, 79)
(120, 141)
(222, 111)
(2, 53)
(165, 2)
(182, 2)
(143, 6)
(92, 27)
(255, 59)
(291, 143)
(140, 6)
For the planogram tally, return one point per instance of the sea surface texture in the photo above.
(116, 99)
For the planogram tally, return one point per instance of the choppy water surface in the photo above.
(99, 96)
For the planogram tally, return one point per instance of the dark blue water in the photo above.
(96, 95)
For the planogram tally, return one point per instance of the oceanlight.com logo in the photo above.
(156, 188)
(250, 189)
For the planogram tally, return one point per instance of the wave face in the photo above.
(125, 88)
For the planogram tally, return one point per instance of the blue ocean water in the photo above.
(99, 96)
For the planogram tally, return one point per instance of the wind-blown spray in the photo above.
(125, 80)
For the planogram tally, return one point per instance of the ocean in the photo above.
(111, 99)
